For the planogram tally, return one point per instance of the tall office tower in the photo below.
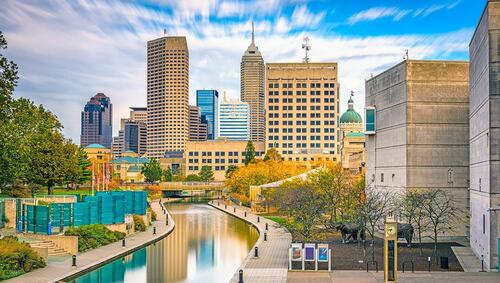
(97, 121)
(208, 102)
(168, 92)
(234, 120)
(132, 135)
(197, 129)
(253, 89)
(302, 112)
(416, 127)
(484, 135)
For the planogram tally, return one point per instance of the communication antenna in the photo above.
(164, 32)
(306, 47)
(406, 57)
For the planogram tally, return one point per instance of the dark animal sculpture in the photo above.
(405, 231)
(349, 231)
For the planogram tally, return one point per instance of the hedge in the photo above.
(139, 224)
(93, 236)
(17, 258)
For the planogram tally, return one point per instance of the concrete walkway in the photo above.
(348, 276)
(272, 263)
(467, 259)
(59, 270)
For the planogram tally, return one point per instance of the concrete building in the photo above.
(302, 110)
(218, 154)
(253, 89)
(233, 120)
(352, 139)
(208, 102)
(97, 121)
(128, 167)
(132, 134)
(197, 129)
(417, 130)
(485, 137)
(167, 95)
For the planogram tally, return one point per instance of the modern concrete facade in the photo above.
(421, 136)
(167, 95)
(302, 110)
(97, 121)
(485, 136)
(219, 154)
(208, 102)
(253, 89)
(197, 129)
(233, 120)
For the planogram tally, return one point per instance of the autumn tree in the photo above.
(206, 174)
(272, 154)
(167, 175)
(230, 170)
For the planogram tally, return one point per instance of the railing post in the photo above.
(240, 273)
(482, 263)
(234, 210)
(245, 214)
(429, 262)
(123, 242)
(74, 261)
(265, 236)
(266, 227)
(154, 230)
(256, 253)
(258, 219)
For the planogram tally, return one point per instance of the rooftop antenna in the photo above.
(253, 34)
(406, 57)
(164, 32)
(306, 47)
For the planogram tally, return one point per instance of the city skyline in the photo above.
(363, 39)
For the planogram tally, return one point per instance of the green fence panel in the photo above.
(119, 203)
(2, 214)
(94, 211)
(43, 221)
(30, 218)
(19, 216)
(81, 213)
(107, 209)
(140, 202)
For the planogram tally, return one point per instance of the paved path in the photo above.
(272, 263)
(57, 271)
(378, 277)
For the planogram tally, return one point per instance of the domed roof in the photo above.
(351, 116)
(95, 145)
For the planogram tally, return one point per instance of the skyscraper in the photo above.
(303, 110)
(208, 102)
(253, 89)
(97, 121)
(132, 134)
(233, 120)
(167, 95)
(197, 129)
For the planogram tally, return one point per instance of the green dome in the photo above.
(94, 145)
(351, 116)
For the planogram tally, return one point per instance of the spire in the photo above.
(224, 99)
(253, 34)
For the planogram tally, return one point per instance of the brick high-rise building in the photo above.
(197, 129)
(97, 121)
(167, 95)
(303, 110)
(253, 89)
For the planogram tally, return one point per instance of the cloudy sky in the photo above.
(68, 51)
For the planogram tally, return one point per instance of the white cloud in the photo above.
(377, 13)
(69, 52)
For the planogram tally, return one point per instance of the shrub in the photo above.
(17, 258)
(93, 236)
(153, 214)
(139, 224)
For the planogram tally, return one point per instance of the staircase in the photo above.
(52, 249)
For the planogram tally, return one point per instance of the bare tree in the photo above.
(441, 212)
(413, 210)
(372, 211)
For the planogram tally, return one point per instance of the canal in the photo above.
(207, 245)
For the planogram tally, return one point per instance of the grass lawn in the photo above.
(64, 191)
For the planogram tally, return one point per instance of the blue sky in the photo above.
(68, 51)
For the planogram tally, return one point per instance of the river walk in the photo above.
(271, 265)
(56, 271)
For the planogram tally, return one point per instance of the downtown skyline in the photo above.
(110, 38)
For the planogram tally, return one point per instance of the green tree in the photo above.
(206, 174)
(193, 178)
(272, 154)
(249, 153)
(167, 175)
(152, 171)
(230, 170)
(8, 78)
(82, 172)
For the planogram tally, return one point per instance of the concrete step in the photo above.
(52, 249)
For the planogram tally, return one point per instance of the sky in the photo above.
(68, 51)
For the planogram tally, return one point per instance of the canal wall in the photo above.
(271, 264)
(62, 271)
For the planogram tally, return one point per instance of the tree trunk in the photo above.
(49, 189)
(435, 245)
(420, 239)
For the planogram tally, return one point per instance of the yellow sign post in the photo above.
(391, 250)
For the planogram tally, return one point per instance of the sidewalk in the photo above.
(467, 259)
(272, 263)
(59, 270)
(348, 276)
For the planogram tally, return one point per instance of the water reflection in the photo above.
(206, 246)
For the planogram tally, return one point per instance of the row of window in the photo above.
(302, 123)
(301, 92)
(301, 85)
(216, 160)
(217, 168)
(301, 145)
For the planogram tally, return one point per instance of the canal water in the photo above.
(207, 246)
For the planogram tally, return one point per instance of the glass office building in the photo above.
(233, 120)
(208, 102)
